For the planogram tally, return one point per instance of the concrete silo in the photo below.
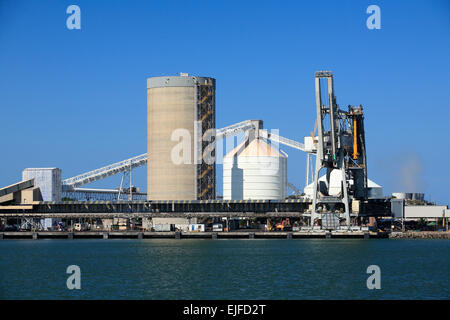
(254, 170)
(180, 110)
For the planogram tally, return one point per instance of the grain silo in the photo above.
(180, 109)
(254, 170)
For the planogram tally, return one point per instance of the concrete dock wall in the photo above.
(184, 235)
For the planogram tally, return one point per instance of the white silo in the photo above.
(254, 170)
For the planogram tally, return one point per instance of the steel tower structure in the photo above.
(340, 146)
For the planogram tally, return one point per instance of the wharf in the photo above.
(176, 208)
(185, 235)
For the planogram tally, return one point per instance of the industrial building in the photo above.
(48, 180)
(181, 174)
(23, 192)
(412, 207)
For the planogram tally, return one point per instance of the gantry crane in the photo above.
(340, 145)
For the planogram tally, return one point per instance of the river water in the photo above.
(225, 269)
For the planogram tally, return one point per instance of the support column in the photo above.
(307, 169)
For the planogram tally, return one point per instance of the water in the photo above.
(225, 269)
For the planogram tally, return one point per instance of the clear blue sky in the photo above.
(76, 99)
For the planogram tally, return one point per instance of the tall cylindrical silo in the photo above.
(180, 110)
(254, 170)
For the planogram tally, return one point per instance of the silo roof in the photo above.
(177, 81)
(257, 147)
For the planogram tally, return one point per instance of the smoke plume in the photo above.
(410, 174)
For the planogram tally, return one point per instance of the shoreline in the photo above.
(36, 235)
(420, 235)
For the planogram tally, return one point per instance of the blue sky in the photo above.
(76, 99)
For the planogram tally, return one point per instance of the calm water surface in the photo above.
(225, 269)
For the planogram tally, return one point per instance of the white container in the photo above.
(254, 171)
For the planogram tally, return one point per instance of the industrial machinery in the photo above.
(71, 186)
(284, 225)
(340, 145)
